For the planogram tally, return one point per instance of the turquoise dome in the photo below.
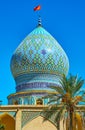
(39, 58)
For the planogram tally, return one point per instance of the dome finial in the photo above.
(39, 21)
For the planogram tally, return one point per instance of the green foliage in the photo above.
(63, 103)
(2, 127)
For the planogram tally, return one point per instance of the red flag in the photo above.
(37, 8)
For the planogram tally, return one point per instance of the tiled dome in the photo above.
(39, 58)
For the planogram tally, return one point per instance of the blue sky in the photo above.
(64, 19)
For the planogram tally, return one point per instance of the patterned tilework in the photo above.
(35, 86)
(28, 116)
(52, 119)
(39, 52)
(36, 79)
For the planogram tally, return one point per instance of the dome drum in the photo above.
(34, 86)
(36, 81)
(28, 98)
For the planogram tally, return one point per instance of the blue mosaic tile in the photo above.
(39, 53)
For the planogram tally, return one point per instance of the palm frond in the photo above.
(78, 85)
(48, 96)
(64, 83)
(54, 100)
(60, 113)
(48, 112)
(51, 95)
(58, 89)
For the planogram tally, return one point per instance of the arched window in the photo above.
(39, 101)
(20, 101)
(26, 100)
(15, 102)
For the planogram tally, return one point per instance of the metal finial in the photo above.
(39, 21)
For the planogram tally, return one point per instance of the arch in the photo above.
(15, 102)
(20, 101)
(38, 124)
(39, 101)
(26, 101)
(8, 121)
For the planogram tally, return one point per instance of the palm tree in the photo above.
(63, 103)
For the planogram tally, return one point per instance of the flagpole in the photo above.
(37, 9)
(39, 20)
